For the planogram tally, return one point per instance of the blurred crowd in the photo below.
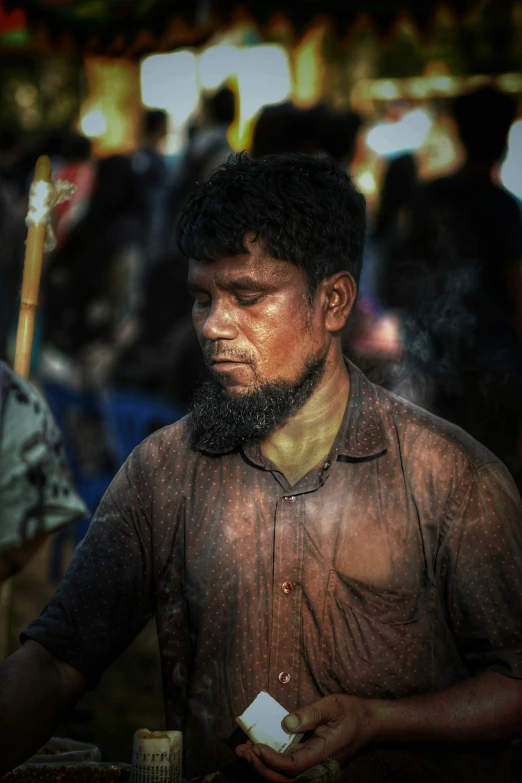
(439, 313)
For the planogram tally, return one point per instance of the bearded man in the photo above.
(302, 531)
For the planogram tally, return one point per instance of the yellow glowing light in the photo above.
(441, 153)
(442, 85)
(386, 89)
(262, 79)
(510, 82)
(110, 113)
(367, 183)
(217, 64)
(94, 123)
(418, 87)
(308, 68)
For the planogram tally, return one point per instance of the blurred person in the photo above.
(287, 128)
(207, 148)
(397, 208)
(302, 531)
(37, 496)
(455, 275)
(373, 336)
(152, 175)
(481, 216)
(208, 145)
(159, 354)
(92, 280)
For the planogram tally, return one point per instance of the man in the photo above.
(302, 531)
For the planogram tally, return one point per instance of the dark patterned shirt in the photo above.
(392, 568)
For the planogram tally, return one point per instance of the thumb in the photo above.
(305, 718)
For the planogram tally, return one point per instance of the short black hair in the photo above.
(484, 118)
(155, 120)
(302, 209)
(223, 106)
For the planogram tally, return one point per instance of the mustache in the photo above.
(214, 350)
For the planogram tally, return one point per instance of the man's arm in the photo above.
(36, 690)
(484, 708)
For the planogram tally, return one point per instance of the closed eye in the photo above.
(249, 301)
(200, 300)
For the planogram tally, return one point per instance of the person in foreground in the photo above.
(302, 531)
(37, 495)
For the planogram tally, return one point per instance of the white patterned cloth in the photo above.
(37, 493)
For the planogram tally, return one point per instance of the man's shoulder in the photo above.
(423, 434)
(174, 438)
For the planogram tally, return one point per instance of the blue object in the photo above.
(131, 416)
(68, 406)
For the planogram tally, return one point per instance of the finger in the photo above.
(254, 759)
(302, 758)
(311, 716)
(241, 749)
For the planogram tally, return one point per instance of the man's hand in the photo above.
(484, 708)
(341, 724)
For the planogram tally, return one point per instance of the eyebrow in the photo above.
(241, 283)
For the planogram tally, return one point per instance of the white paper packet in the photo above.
(261, 721)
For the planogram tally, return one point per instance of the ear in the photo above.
(340, 293)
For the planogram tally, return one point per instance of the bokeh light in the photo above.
(170, 82)
(308, 68)
(217, 64)
(94, 123)
(511, 170)
(388, 139)
(262, 79)
(110, 113)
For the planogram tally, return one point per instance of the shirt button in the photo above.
(284, 678)
(287, 587)
(290, 498)
(326, 465)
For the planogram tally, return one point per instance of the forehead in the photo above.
(257, 265)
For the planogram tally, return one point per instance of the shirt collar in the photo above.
(362, 432)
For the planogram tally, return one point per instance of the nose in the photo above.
(219, 323)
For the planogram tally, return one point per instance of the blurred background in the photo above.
(136, 101)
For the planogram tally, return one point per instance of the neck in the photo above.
(307, 437)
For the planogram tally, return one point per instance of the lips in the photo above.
(225, 361)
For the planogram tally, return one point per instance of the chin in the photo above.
(236, 390)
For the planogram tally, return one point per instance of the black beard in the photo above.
(219, 422)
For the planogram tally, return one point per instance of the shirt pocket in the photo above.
(376, 643)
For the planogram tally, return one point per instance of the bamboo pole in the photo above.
(24, 344)
(31, 281)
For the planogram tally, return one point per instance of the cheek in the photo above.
(281, 339)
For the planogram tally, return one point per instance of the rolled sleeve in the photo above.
(105, 598)
(481, 557)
